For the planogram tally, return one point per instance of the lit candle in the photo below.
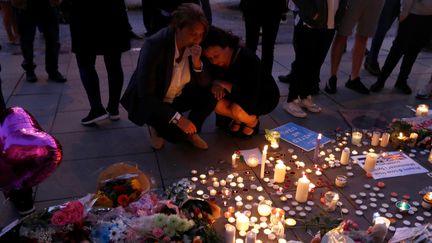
(385, 139)
(412, 139)
(356, 138)
(222, 182)
(230, 233)
(340, 181)
(263, 161)
(302, 191)
(318, 172)
(375, 138)
(427, 201)
(279, 172)
(290, 222)
(242, 222)
(370, 162)
(422, 110)
(234, 160)
(252, 161)
(403, 206)
(382, 220)
(250, 237)
(264, 208)
(213, 192)
(330, 201)
(215, 184)
(277, 215)
(345, 156)
(317, 147)
(380, 228)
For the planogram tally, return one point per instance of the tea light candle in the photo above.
(318, 172)
(210, 172)
(302, 191)
(382, 220)
(230, 233)
(427, 201)
(213, 192)
(202, 176)
(242, 222)
(422, 110)
(370, 162)
(252, 161)
(356, 138)
(375, 138)
(341, 181)
(240, 179)
(215, 184)
(345, 156)
(234, 160)
(264, 208)
(279, 172)
(385, 139)
(290, 222)
(222, 182)
(194, 179)
(263, 161)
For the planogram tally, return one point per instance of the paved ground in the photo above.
(87, 150)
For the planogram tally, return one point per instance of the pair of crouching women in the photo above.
(176, 74)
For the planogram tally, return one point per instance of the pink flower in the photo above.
(166, 239)
(158, 232)
(60, 218)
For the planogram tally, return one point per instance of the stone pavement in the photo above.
(88, 150)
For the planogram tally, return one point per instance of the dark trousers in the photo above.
(388, 15)
(45, 18)
(199, 101)
(269, 23)
(152, 17)
(312, 46)
(413, 34)
(2, 101)
(22, 199)
(90, 80)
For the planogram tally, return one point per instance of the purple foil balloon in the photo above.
(28, 154)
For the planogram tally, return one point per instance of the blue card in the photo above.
(299, 136)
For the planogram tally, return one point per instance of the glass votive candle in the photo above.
(422, 110)
(427, 201)
(330, 200)
(403, 206)
(252, 161)
(264, 208)
(340, 181)
(356, 137)
(273, 138)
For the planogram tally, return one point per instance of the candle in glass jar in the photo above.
(345, 156)
(250, 237)
(302, 191)
(252, 161)
(340, 181)
(230, 233)
(412, 140)
(422, 110)
(356, 137)
(277, 215)
(242, 222)
(375, 138)
(427, 201)
(263, 161)
(385, 139)
(264, 208)
(279, 172)
(370, 162)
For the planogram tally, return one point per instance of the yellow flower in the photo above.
(136, 185)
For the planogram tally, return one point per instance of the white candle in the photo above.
(252, 161)
(279, 172)
(230, 233)
(345, 156)
(375, 138)
(422, 110)
(302, 191)
(317, 147)
(264, 208)
(250, 237)
(215, 184)
(222, 182)
(213, 192)
(263, 161)
(242, 222)
(234, 160)
(356, 138)
(370, 162)
(385, 139)
(412, 139)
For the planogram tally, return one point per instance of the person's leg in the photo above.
(8, 21)
(388, 15)
(252, 26)
(115, 83)
(270, 30)
(357, 55)
(90, 81)
(250, 120)
(223, 110)
(335, 58)
(49, 26)
(22, 199)
(27, 31)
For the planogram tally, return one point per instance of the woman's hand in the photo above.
(195, 51)
(218, 91)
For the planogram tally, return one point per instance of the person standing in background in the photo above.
(100, 27)
(266, 16)
(9, 21)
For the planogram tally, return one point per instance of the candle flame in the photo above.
(400, 135)
(265, 148)
(319, 135)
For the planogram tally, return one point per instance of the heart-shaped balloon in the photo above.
(28, 154)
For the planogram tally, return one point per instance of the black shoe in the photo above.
(31, 77)
(113, 114)
(57, 77)
(134, 35)
(22, 199)
(377, 86)
(403, 87)
(331, 87)
(285, 78)
(357, 86)
(94, 116)
(372, 67)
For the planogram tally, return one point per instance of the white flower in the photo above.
(160, 220)
(116, 234)
(169, 231)
(173, 221)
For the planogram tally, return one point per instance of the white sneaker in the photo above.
(309, 105)
(294, 109)
(155, 141)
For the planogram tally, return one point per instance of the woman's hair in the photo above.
(188, 14)
(219, 37)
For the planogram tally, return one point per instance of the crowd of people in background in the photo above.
(186, 64)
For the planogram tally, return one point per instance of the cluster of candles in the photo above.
(422, 110)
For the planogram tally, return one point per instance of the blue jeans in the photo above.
(388, 15)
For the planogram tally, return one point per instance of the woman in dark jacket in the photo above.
(100, 27)
(243, 90)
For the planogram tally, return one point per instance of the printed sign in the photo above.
(393, 164)
(299, 136)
